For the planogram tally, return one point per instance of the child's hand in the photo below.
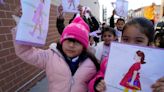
(18, 11)
(90, 14)
(80, 9)
(101, 86)
(60, 10)
(159, 85)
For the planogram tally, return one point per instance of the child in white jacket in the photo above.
(102, 48)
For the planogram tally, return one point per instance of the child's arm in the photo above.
(60, 25)
(97, 81)
(60, 12)
(93, 83)
(30, 54)
(95, 23)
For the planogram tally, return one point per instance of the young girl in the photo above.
(68, 65)
(102, 48)
(131, 80)
(137, 31)
(92, 41)
(38, 18)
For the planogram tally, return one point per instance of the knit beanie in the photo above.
(77, 30)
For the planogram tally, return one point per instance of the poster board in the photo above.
(34, 22)
(70, 5)
(122, 63)
(121, 8)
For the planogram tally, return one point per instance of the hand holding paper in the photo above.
(60, 10)
(123, 74)
(33, 26)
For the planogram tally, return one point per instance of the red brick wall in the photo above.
(13, 71)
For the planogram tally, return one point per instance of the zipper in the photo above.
(72, 83)
(71, 79)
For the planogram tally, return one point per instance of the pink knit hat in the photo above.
(77, 30)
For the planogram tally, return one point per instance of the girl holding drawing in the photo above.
(138, 31)
(68, 64)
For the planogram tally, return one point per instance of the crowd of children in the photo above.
(69, 64)
(137, 31)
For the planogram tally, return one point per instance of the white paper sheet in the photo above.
(121, 8)
(121, 59)
(33, 26)
(70, 5)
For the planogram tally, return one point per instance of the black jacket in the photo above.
(112, 21)
(92, 23)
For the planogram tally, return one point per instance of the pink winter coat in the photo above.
(58, 72)
(100, 74)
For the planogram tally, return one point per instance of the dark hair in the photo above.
(83, 55)
(160, 37)
(120, 19)
(144, 25)
(159, 34)
(142, 55)
(93, 59)
(108, 29)
(103, 24)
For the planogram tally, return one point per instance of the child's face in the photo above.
(72, 48)
(120, 25)
(133, 35)
(91, 40)
(108, 37)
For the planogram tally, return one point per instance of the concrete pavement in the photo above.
(41, 86)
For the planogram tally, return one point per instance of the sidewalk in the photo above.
(41, 86)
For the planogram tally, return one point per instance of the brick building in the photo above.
(16, 75)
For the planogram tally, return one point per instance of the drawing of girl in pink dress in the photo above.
(71, 2)
(38, 18)
(131, 80)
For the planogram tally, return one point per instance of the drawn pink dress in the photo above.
(128, 77)
(37, 18)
